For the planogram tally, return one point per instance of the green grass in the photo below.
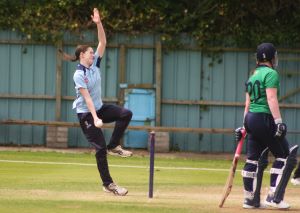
(76, 187)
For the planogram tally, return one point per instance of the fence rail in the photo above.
(163, 101)
(110, 126)
(137, 128)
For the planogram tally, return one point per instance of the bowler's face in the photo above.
(88, 56)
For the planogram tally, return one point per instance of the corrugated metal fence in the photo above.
(197, 90)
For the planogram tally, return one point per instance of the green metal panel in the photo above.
(109, 73)
(289, 72)
(186, 75)
(29, 69)
(222, 81)
(138, 66)
(181, 80)
(4, 87)
(139, 62)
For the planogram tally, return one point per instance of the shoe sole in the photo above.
(295, 183)
(245, 206)
(108, 191)
(272, 205)
(117, 154)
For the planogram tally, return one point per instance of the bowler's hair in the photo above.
(79, 49)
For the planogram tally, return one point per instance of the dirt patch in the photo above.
(197, 199)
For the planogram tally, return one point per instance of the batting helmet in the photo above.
(265, 52)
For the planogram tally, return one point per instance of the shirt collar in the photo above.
(84, 68)
(81, 67)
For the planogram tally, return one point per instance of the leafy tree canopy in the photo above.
(241, 23)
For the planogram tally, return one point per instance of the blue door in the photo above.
(142, 104)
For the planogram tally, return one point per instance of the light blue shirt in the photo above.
(90, 79)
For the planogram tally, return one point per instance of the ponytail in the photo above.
(67, 57)
(79, 49)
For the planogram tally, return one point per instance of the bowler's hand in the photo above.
(96, 16)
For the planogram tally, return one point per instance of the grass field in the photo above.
(43, 181)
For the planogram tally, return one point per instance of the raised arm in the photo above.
(101, 33)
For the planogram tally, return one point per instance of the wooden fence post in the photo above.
(122, 73)
(58, 82)
(158, 83)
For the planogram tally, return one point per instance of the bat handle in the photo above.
(238, 150)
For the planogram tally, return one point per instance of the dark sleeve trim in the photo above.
(98, 62)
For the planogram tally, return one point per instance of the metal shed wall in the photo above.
(192, 75)
(186, 75)
(25, 69)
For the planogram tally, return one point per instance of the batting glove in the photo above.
(281, 129)
(238, 133)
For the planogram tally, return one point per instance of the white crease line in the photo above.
(118, 166)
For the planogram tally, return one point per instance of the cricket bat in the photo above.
(229, 182)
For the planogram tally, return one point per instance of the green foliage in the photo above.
(239, 23)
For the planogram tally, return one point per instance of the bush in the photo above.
(209, 22)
